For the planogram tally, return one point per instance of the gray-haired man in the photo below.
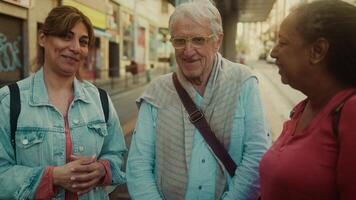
(169, 159)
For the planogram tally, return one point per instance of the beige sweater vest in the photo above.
(174, 135)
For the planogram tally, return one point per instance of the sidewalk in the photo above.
(128, 82)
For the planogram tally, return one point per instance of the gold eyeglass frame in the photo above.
(189, 40)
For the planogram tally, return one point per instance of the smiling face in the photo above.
(195, 63)
(64, 55)
(292, 54)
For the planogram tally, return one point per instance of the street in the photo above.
(126, 108)
(278, 99)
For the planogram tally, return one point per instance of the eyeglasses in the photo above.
(196, 41)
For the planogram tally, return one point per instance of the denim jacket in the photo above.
(40, 138)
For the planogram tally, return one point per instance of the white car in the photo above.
(269, 59)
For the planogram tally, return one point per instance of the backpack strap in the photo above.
(15, 108)
(104, 103)
(336, 112)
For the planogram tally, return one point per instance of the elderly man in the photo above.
(169, 158)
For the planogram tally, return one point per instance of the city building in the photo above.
(125, 31)
(258, 38)
(20, 21)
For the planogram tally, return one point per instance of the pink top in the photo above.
(46, 188)
(313, 164)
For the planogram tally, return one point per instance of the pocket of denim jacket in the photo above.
(99, 131)
(27, 139)
(30, 148)
(99, 128)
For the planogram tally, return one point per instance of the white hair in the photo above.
(199, 11)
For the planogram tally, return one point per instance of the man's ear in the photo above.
(218, 43)
(318, 50)
(41, 39)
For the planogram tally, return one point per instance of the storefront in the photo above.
(11, 49)
(13, 20)
(96, 66)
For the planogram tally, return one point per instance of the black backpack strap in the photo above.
(336, 112)
(15, 108)
(104, 103)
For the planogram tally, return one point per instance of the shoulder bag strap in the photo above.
(197, 118)
(104, 103)
(15, 108)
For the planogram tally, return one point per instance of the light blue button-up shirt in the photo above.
(249, 141)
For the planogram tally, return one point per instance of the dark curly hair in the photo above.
(335, 21)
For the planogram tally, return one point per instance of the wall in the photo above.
(12, 60)
(149, 19)
(36, 15)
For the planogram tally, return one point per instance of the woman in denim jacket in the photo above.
(64, 147)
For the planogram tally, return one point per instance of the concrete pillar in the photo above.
(228, 47)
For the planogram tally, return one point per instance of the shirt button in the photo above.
(199, 187)
(81, 148)
(25, 141)
(75, 121)
(203, 161)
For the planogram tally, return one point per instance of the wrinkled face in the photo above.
(195, 61)
(291, 54)
(64, 55)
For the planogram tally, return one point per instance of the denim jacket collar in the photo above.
(40, 95)
(79, 92)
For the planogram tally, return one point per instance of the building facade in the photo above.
(20, 21)
(125, 31)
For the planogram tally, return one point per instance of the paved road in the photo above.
(278, 99)
(126, 107)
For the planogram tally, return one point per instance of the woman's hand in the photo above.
(80, 175)
(87, 176)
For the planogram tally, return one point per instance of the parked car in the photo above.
(269, 59)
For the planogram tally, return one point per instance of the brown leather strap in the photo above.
(336, 112)
(197, 118)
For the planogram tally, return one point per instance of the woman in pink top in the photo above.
(314, 157)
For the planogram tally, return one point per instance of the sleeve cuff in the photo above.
(46, 189)
(107, 179)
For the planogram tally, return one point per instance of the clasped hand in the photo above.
(80, 175)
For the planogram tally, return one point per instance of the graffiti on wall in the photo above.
(9, 54)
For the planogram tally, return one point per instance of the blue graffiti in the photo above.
(9, 54)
